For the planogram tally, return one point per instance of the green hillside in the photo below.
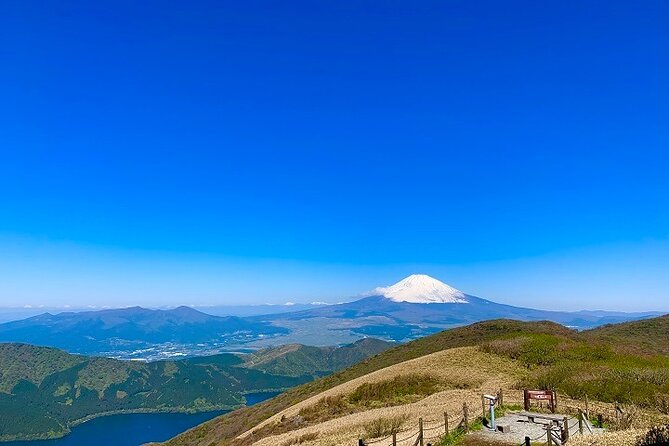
(576, 363)
(224, 429)
(298, 360)
(644, 336)
(22, 361)
(43, 391)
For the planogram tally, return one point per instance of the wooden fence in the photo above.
(557, 432)
(421, 436)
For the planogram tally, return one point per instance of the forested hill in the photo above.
(44, 390)
(298, 359)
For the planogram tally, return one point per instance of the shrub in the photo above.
(398, 390)
(325, 408)
(384, 426)
(657, 436)
(302, 439)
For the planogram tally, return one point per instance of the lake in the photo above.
(133, 429)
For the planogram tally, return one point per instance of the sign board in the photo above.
(540, 395)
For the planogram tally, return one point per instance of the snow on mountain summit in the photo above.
(420, 288)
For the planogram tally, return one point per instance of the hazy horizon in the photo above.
(228, 154)
(600, 279)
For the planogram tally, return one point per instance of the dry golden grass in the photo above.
(618, 438)
(384, 426)
(302, 439)
(467, 371)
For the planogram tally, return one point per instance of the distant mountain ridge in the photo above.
(415, 306)
(420, 305)
(132, 328)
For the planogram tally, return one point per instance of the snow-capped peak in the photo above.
(420, 288)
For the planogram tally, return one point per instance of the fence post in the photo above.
(360, 442)
(549, 438)
(587, 411)
(565, 430)
(580, 421)
(528, 441)
(500, 397)
(420, 430)
(483, 406)
(394, 438)
(526, 399)
(446, 422)
(600, 420)
(465, 416)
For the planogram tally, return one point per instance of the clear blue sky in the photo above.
(161, 152)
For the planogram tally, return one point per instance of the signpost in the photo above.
(540, 395)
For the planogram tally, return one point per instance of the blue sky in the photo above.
(224, 152)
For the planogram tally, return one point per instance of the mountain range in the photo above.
(414, 307)
(419, 305)
(137, 332)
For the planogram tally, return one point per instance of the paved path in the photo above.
(520, 428)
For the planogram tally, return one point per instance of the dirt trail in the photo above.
(466, 367)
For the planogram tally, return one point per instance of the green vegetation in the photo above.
(580, 365)
(457, 436)
(600, 362)
(223, 430)
(44, 391)
(299, 360)
(399, 390)
(21, 361)
(648, 336)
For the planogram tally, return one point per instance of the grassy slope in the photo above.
(222, 430)
(298, 360)
(645, 336)
(617, 362)
(44, 390)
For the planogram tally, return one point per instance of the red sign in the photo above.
(541, 395)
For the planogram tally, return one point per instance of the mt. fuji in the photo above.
(421, 289)
(416, 306)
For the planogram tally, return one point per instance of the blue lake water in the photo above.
(133, 429)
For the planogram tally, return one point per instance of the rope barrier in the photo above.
(441, 426)
(408, 438)
(456, 421)
(379, 440)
